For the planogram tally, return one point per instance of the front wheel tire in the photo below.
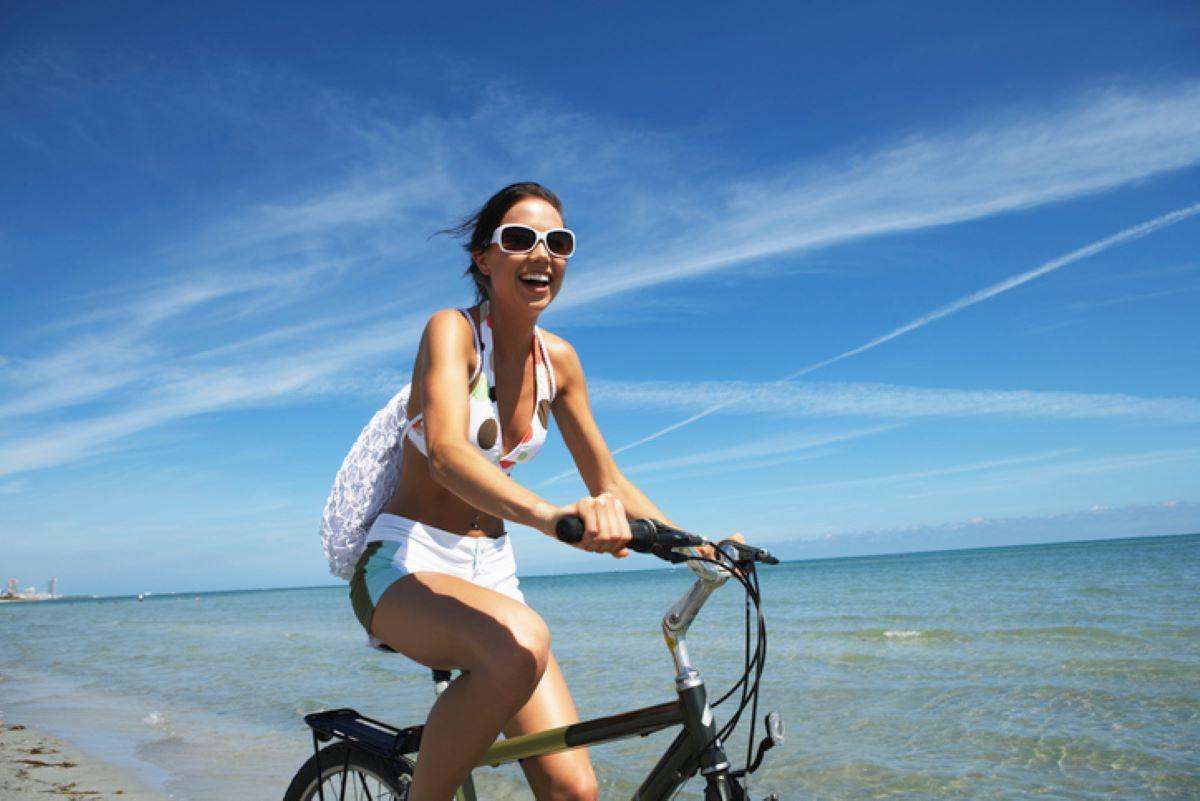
(349, 774)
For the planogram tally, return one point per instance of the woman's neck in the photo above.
(511, 333)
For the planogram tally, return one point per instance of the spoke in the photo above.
(363, 778)
(348, 789)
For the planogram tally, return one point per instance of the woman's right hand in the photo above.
(605, 527)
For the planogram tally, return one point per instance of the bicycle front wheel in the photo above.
(348, 774)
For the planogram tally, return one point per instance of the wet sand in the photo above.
(36, 765)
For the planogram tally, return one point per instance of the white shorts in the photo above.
(397, 547)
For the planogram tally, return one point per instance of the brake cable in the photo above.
(752, 663)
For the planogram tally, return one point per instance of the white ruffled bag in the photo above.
(364, 483)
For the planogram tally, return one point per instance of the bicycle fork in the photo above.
(702, 728)
(696, 747)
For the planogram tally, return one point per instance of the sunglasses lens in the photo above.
(561, 242)
(517, 239)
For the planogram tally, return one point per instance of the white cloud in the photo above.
(1038, 469)
(888, 401)
(931, 180)
(937, 472)
(275, 263)
(948, 309)
(1120, 463)
(750, 455)
(1096, 522)
(188, 391)
(13, 487)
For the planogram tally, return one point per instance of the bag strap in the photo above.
(478, 342)
(546, 360)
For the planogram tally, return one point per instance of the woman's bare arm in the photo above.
(573, 412)
(444, 361)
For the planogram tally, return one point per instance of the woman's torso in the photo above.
(509, 414)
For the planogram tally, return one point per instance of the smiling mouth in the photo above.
(536, 279)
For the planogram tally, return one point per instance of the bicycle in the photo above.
(372, 759)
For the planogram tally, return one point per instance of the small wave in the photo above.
(903, 634)
(1066, 753)
(908, 635)
(1173, 632)
(1136, 670)
(376, 669)
(160, 721)
(1083, 633)
(308, 705)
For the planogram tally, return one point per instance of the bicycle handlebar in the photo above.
(659, 539)
(648, 536)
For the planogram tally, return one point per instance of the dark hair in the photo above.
(476, 230)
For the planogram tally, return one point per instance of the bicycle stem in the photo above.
(700, 729)
(679, 617)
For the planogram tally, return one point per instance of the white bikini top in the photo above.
(485, 429)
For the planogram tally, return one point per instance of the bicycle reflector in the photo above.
(774, 726)
(774, 723)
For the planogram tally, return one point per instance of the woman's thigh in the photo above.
(443, 621)
(550, 707)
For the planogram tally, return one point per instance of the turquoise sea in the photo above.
(1053, 671)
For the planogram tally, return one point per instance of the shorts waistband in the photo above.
(395, 528)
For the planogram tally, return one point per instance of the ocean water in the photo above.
(1055, 671)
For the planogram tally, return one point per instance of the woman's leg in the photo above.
(565, 776)
(502, 647)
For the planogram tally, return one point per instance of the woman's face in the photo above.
(518, 279)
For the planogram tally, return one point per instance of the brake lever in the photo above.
(766, 557)
(670, 553)
(749, 553)
(672, 541)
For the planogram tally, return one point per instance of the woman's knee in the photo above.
(575, 787)
(518, 651)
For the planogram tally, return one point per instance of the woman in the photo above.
(437, 581)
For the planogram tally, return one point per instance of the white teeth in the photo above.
(536, 277)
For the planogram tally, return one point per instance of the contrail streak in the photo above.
(1136, 232)
(1015, 281)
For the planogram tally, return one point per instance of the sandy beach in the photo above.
(36, 765)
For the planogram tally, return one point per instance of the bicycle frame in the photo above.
(697, 747)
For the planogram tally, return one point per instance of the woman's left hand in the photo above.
(710, 551)
(605, 529)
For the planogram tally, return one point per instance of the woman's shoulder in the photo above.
(448, 331)
(563, 357)
(449, 322)
(560, 350)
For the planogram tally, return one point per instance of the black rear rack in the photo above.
(369, 734)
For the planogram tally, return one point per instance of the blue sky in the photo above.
(924, 276)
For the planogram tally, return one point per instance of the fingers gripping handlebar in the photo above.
(648, 536)
(661, 540)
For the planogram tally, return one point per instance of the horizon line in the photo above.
(150, 595)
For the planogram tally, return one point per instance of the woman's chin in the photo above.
(536, 298)
(531, 305)
(536, 293)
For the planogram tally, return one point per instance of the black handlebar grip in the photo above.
(569, 529)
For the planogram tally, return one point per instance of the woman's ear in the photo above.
(479, 257)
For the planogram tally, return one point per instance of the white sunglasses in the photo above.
(517, 238)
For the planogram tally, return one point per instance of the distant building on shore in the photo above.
(13, 592)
